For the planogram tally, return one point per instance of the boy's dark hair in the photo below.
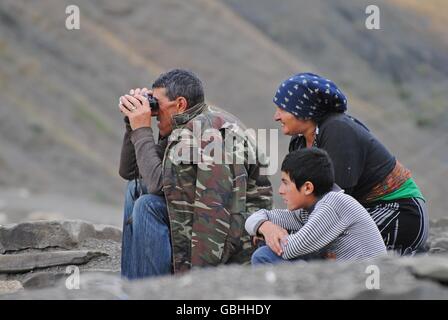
(181, 83)
(310, 164)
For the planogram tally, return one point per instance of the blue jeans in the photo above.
(146, 247)
(265, 255)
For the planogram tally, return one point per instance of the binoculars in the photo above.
(153, 103)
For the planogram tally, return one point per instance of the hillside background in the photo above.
(61, 132)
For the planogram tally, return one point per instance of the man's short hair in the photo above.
(310, 164)
(181, 83)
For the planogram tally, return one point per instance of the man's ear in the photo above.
(182, 104)
(309, 188)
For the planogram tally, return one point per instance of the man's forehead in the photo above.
(159, 93)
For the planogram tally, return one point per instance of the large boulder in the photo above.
(65, 234)
(38, 254)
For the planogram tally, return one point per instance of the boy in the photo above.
(322, 219)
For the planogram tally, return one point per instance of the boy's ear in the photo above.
(309, 188)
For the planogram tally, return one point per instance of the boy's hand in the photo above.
(274, 236)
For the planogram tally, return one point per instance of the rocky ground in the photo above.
(36, 254)
(34, 259)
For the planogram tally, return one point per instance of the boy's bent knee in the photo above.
(263, 255)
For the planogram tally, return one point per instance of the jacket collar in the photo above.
(184, 117)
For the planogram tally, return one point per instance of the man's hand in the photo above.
(136, 108)
(274, 236)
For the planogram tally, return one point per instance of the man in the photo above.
(184, 214)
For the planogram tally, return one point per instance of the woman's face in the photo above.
(292, 125)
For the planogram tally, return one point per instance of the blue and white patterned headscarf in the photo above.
(309, 96)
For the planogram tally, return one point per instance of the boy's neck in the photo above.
(312, 202)
(315, 200)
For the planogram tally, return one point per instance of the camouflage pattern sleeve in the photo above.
(259, 192)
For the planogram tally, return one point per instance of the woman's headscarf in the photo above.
(309, 96)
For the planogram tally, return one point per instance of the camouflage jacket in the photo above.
(207, 201)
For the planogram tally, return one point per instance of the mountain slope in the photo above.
(60, 130)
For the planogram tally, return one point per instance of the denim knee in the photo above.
(262, 255)
(152, 205)
(256, 257)
(134, 190)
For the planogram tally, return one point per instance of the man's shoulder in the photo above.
(216, 118)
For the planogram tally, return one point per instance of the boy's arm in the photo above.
(289, 220)
(323, 227)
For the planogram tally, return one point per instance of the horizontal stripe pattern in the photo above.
(338, 225)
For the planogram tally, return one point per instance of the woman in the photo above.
(311, 109)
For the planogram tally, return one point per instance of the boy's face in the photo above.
(293, 197)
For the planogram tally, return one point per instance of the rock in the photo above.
(61, 234)
(439, 245)
(10, 286)
(16, 263)
(41, 280)
(432, 267)
(49, 246)
(315, 280)
(38, 235)
(419, 277)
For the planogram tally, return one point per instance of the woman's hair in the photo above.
(310, 164)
